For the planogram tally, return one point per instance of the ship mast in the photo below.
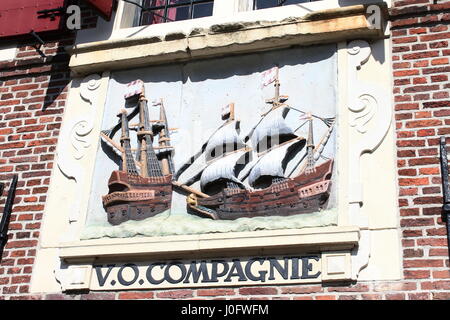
(128, 164)
(277, 90)
(310, 147)
(164, 139)
(314, 152)
(277, 100)
(149, 161)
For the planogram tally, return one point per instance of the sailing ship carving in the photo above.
(271, 171)
(142, 187)
(247, 177)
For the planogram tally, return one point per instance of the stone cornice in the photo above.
(310, 239)
(325, 26)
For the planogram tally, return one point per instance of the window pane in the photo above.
(288, 2)
(178, 13)
(262, 4)
(202, 10)
(153, 3)
(179, 1)
(153, 17)
(159, 11)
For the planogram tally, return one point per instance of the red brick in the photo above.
(426, 132)
(414, 181)
(428, 200)
(439, 61)
(441, 295)
(435, 70)
(421, 88)
(437, 36)
(98, 296)
(406, 153)
(417, 222)
(215, 292)
(404, 40)
(371, 296)
(20, 279)
(439, 44)
(25, 87)
(12, 145)
(327, 297)
(410, 211)
(395, 296)
(420, 80)
(407, 172)
(435, 242)
(136, 295)
(417, 30)
(437, 232)
(301, 289)
(420, 55)
(442, 274)
(406, 106)
(303, 298)
(410, 143)
(437, 104)
(425, 263)
(404, 22)
(405, 73)
(432, 211)
(258, 291)
(175, 294)
(412, 253)
(423, 123)
(438, 252)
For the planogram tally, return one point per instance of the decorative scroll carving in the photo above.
(88, 86)
(370, 116)
(74, 141)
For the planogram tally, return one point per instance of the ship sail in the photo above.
(241, 182)
(225, 140)
(273, 163)
(272, 130)
(224, 155)
(226, 169)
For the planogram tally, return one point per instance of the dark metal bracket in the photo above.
(38, 46)
(445, 188)
(34, 34)
(51, 13)
(4, 224)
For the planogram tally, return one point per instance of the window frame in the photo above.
(280, 3)
(167, 6)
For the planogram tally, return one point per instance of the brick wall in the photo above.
(421, 71)
(33, 90)
(33, 94)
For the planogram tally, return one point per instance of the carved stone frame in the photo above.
(365, 113)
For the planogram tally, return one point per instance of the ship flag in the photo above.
(269, 76)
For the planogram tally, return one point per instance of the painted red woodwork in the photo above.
(20, 17)
(104, 7)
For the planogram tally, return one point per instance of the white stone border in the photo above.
(369, 118)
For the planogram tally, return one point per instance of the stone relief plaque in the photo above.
(241, 143)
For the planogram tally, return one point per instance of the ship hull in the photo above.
(305, 193)
(132, 197)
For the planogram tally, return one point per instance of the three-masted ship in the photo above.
(248, 177)
(142, 187)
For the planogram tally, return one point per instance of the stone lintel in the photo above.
(320, 27)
